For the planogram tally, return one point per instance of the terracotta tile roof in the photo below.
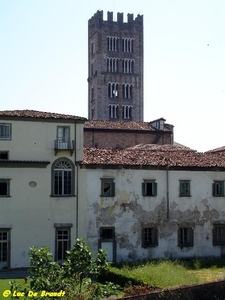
(124, 125)
(165, 147)
(37, 114)
(160, 158)
(217, 150)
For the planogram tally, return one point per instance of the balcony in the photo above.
(63, 145)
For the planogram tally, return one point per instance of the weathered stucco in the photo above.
(128, 211)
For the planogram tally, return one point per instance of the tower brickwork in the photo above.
(115, 67)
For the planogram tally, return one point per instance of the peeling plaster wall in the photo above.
(128, 211)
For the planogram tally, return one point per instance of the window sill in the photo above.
(149, 246)
(184, 196)
(62, 196)
(108, 196)
(5, 196)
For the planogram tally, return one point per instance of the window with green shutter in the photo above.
(185, 237)
(218, 234)
(218, 189)
(107, 187)
(149, 237)
(185, 188)
(149, 188)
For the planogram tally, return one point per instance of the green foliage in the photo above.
(81, 262)
(77, 276)
(47, 274)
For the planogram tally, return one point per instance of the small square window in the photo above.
(185, 188)
(218, 189)
(149, 188)
(4, 155)
(185, 237)
(107, 187)
(5, 131)
(4, 187)
(149, 237)
(107, 233)
(219, 234)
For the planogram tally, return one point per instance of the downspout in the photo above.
(75, 158)
(167, 192)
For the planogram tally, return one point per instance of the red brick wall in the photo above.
(124, 139)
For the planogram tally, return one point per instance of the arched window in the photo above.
(63, 178)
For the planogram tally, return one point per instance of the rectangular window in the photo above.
(185, 190)
(218, 189)
(107, 187)
(63, 137)
(5, 131)
(149, 188)
(185, 237)
(4, 187)
(219, 234)
(4, 247)
(149, 237)
(4, 155)
(62, 243)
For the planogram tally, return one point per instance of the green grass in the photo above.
(4, 285)
(158, 273)
(174, 273)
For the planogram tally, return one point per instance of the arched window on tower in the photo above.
(113, 111)
(127, 91)
(113, 90)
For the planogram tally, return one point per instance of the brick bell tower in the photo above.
(115, 68)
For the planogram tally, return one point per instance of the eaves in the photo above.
(23, 164)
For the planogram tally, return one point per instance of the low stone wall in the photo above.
(208, 291)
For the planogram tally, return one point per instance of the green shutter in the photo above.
(155, 189)
(143, 238)
(143, 189)
(222, 189)
(214, 189)
(113, 189)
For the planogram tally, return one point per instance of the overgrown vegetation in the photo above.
(85, 276)
(76, 278)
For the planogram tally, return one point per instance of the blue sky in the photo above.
(43, 60)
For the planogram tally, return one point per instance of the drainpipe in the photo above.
(167, 192)
(76, 174)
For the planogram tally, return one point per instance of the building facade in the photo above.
(123, 134)
(155, 203)
(39, 190)
(115, 68)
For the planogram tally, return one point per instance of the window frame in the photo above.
(185, 239)
(7, 181)
(5, 138)
(154, 187)
(215, 192)
(111, 182)
(149, 236)
(72, 170)
(8, 246)
(218, 241)
(187, 193)
(103, 237)
(59, 228)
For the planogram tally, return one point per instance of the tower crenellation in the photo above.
(115, 67)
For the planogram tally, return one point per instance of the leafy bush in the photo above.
(77, 276)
